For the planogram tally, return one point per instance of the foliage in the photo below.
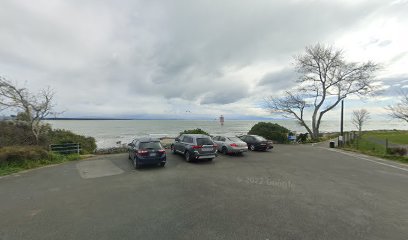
(18, 133)
(195, 131)
(271, 131)
(34, 107)
(19, 154)
(60, 136)
(326, 78)
(17, 158)
(399, 151)
(302, 137)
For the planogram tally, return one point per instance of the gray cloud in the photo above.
(110, 53)
(280, 80)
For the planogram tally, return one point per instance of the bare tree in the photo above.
(325, 79)
(359, 118)
(291, 105)
(35, 107)
(400, 109)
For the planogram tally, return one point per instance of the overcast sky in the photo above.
(191, 58)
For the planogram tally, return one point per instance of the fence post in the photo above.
(386, 146)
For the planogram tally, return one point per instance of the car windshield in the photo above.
(204, 141)
(150, 145)
(234, 139)
(260, 138)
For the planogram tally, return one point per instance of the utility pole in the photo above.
(341, 124)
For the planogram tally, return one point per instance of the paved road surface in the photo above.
(292, 192)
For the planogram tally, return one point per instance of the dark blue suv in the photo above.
(147, 151)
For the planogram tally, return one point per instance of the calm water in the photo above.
(108, 132)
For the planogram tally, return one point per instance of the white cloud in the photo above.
(129, 58)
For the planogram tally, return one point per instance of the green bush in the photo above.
(15, 133)
(20, 154)
(194, 131)
(17, 158)
(302, 137)
(271, 131)
(60, 136)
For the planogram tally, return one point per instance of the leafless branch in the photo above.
(324, 75)
(400, 109)
(359, 118)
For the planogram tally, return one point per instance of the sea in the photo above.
(112, 133)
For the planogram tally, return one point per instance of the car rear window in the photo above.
(234, 139)
(204, 141)
(150, 145)
(260, 138)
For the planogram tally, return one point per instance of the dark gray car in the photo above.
(146, 151)
(195, 146)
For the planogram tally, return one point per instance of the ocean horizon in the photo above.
(108, 133)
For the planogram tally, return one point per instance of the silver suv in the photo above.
(195, 146)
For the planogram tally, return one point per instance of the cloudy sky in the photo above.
(191, 59)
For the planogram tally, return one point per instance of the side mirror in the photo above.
(177, 139)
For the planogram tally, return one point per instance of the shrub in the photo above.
(20, 154)
(400, 151)
(194, 131)
(302, 137)
(60, 136)
(271, 131)
(15, 133)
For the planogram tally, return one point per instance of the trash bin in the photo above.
(331, 144)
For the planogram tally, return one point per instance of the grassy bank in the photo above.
(395, 136)
(17, 166)
(374, 143)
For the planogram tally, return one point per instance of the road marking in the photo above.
(366, 159)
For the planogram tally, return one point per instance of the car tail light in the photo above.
(233, 145)
(162, 152)
(142, 152)
(196, 147)
(215, 145)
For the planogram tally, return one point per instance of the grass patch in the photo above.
(17, 166)
(397, 137)
(373, 149)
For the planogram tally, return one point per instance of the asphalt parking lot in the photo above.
(291, 192)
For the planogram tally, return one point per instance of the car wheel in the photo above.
(173, 150)
(224, 150)
(187, 155)
(252, 147)
(210, 159)
(162, 164)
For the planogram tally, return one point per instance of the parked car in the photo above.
(256, 142)
(195, 146)
(147, 151)
(228, 145)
